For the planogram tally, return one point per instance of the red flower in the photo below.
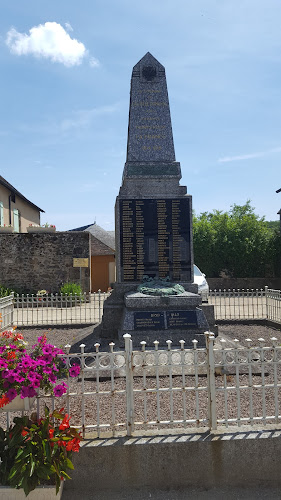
(65, 424)
(51, 433)
(73, 445)
(4, 400)
(23, 433)
(11, 355)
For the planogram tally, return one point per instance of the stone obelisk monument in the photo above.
(153, 226)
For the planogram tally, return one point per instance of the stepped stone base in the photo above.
(149, 318)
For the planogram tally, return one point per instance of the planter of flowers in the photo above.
(34, 452)
(35, 455)
(6, 229)
(46, 228)
(23, 374)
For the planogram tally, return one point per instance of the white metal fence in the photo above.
(88, 308)
(120, 392)
(238, 304)
(57, 309)
(6, 312)
(273, 305)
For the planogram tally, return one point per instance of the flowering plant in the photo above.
(23, 373)
(43, 225)
(33, 451)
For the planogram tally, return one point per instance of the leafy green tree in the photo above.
(238, 243)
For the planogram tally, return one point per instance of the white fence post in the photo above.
(129, 383)
(266, 301)
(212, 410)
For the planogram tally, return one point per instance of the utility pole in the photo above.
(279, 213)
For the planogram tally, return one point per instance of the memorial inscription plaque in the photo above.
(155, 235)
(163, 320)
(182, 319)
(152, 320)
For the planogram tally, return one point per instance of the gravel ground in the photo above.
(149, 406)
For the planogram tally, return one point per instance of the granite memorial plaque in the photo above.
(149, 320)
(155, 236)
(182, 319)
(163, 320)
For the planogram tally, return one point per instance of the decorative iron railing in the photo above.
(123, 391)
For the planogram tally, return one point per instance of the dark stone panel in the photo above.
(155, 239)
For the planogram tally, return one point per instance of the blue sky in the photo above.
(65, 80)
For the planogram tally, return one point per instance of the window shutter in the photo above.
(16, 221)
(1, 214)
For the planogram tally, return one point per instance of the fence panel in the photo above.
(273, 305)
(238, 304)
(6, 312)
(58, 309)
(249, 388)
(121, 391)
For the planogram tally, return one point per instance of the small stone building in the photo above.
(103, 270)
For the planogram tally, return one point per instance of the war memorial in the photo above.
(154, 297)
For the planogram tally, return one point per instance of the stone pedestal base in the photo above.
(149, 318)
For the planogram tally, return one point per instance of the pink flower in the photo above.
(74, 371)
(11, 394)
(60, 389)
(24, 392)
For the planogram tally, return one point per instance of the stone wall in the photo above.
(248, 458)
(243, 283)
(32, 262)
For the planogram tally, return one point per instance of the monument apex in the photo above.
(150, 136)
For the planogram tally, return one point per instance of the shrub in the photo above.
(4, 292)
(71, 289)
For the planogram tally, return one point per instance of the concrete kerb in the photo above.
(241, 457)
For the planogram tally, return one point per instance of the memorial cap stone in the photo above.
(150, 136)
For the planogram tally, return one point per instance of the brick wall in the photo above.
(32, 262)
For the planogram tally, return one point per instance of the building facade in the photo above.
(15, 209)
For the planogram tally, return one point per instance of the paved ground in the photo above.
(194, 494)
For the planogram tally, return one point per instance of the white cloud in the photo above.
(84, 117)
(49, 40)
(68, 26)
(93, 62)
(249, 156)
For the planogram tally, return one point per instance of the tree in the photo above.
(238, 243)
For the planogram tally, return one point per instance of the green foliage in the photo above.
(32, 451)
(238, 243)
(274, 225)
(4, 292)
(71, 289)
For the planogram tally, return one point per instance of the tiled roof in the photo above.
(106, 237)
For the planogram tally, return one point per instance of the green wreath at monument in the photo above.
(162, 287)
